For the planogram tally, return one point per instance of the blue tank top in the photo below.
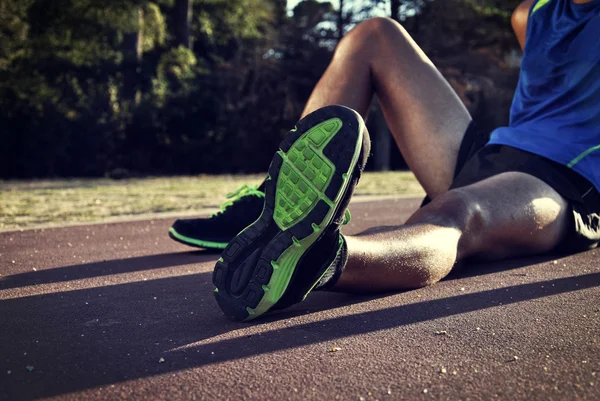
(556, 107)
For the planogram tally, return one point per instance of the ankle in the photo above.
(336, 268)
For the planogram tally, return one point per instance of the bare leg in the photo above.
(511, 214)
(426, 117)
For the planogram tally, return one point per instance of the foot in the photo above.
(242, 209)
(280, 258)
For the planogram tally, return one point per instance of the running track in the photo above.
(119, 311)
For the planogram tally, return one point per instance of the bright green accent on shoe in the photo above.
(250, 311)
(304, 174)
(340, 244)
(287, 261)
(281, 276)
(197, 242)
(582, 155)
(347, 217)
(265, 288)
(220, 259)
(238, 194)
(539, 5)
(216, 290)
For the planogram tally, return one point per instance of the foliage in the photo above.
(95, 88)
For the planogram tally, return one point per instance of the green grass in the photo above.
(27, 204)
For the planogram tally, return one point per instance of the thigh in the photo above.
(426, 116)
(507, 215)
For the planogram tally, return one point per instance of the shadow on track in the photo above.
(105, 268)
(475, 268)
(76, 340)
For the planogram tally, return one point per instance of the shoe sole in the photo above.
(174, 235)
(308, 178)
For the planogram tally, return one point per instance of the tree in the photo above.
(183, 11)
(132, 50)
(341, 20)
(89, 87)
(395, 9)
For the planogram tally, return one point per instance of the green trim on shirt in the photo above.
(582, 155)
(539, 5)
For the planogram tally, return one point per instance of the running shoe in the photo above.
(241, 209)
(296, 242)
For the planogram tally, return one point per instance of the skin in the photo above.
(420, 106)
(519, 21)
(511, 214)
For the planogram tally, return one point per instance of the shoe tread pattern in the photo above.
(305, 174)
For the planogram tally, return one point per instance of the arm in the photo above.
(519, 21)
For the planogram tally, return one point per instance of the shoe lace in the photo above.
(238, 194)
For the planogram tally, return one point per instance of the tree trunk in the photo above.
(382, 141)
(280, 11)
(132, 57)
(394, 9)
(340, 24)
(183, 20)
(382, 137)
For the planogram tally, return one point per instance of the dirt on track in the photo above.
(119, 311)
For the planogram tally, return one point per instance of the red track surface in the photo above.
(120, 311)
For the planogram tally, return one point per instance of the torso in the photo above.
(556, 108)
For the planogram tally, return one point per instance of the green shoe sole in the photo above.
(308, 181)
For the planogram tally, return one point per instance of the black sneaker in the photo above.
(280, 258)
(242, 209)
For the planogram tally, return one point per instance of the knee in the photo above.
(455, 208)
(460, 211)
(372, 32)
(542, 227)
(380, 26)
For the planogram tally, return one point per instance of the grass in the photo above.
(29, 204)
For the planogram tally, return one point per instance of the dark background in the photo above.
(125, 88)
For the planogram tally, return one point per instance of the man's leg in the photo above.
(427, 118)
(510, 214)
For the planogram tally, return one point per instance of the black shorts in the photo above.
(478, 161)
